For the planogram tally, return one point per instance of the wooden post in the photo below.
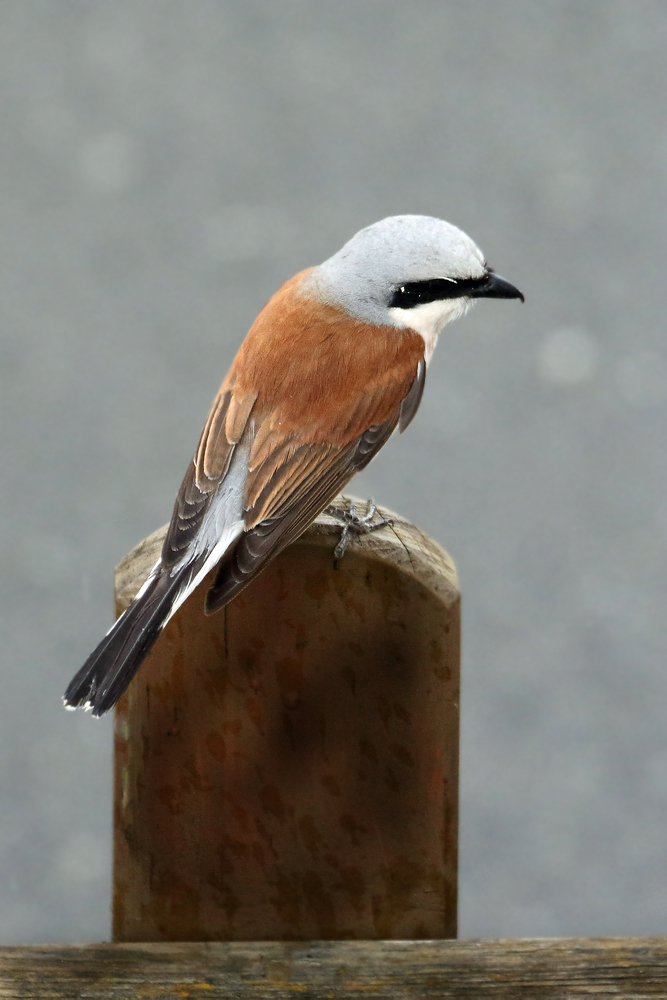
(288, 768)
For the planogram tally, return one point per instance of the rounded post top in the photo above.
(401, 544)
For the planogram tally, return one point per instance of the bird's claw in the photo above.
(354, 524)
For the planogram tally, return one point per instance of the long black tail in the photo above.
(109, 669)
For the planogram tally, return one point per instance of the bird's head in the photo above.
(408, 271)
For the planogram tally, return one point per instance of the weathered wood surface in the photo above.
(288, 768)
(632, 968)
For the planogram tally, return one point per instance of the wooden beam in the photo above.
(287, 769)
(633, 968)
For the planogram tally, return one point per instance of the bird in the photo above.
(332, 366)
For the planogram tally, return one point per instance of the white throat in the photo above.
(429, 319)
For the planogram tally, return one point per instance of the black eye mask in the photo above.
(416, 293)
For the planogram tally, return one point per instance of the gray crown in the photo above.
(362, 276)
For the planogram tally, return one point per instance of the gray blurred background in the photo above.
(164, 166)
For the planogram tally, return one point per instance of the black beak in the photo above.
(495, 287)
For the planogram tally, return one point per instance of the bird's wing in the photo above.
(282, 480)
(291, 477)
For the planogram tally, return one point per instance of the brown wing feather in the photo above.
(224, 426)
(214, 450)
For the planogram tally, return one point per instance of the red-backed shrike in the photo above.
(330, 368)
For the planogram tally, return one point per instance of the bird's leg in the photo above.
(354, 524)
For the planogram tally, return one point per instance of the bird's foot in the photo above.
(355, 524)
